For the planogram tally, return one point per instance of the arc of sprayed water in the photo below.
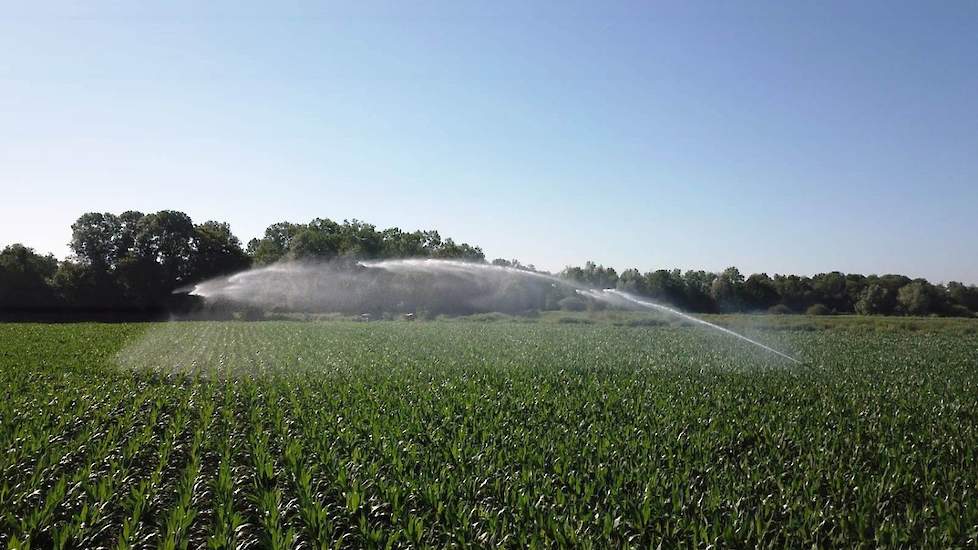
(433, 265)
(243, 285)
(652, 305)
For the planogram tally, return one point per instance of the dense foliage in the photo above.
(825, 293)
(135, 261)
(500, 434)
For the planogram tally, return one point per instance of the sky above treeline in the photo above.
(796, 137)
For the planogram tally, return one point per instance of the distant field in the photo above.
(598, 431)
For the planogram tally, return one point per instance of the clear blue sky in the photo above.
(801, 138)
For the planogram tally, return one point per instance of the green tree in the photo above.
(94, 241)
(830, 289)
(592, 275)
(324, 239)
(698, 286)
(917, 298)
(891, 282)
(449, 250)
(759, 292)
(727, 290)
(359, 240)
(124, 241)
(963, 295)
(874, 300)
(94, 237)
(855, 285)
(140, 279)
(25, 277)
(794, 291)
(263, 252)
(216, 251)
(313, 244)
(275, 244)
(666, 286)
(632, 281)
(75, 284)
(400, 244)
(166, 238)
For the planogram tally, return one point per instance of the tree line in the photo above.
(132, 262)
(822, 294)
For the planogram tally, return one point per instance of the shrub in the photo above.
(574, 321)
(253, 314)
(641, 323)
(487, 317)
(572, 303)
(646, 323)
(780, 309)
(958, 310)
(818, 309)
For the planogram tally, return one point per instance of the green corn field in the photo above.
(339, 434)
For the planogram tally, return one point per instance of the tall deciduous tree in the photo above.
(963, 295)
(727, 288)
(917, 298)
(759, 292)
(25, 277)
(874, 300)
(314, 244)
(94, 237)
(166, 237)
(216, 251)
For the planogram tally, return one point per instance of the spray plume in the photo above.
(611, 295)
(414, 284)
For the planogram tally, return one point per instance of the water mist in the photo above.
(416, 284)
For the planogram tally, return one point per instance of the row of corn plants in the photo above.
(463, 434)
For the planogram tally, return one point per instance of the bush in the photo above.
(646, 323)
(780, 309)
(253, 314)
(958, 310)
(574, 321)
(487, 317)
(818, 309)
(572, 303)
